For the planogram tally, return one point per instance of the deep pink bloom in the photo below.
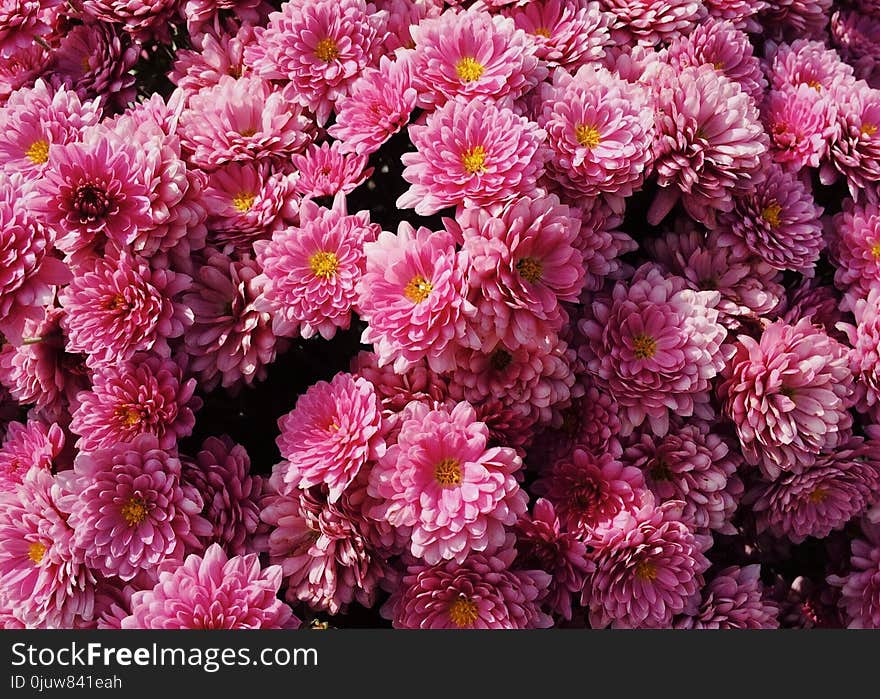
(801, 123)
(22, 69)
(413, 297)
(212, 592)
(787, 394)
(23, 21)
(864, 337)
(482, 592)
(144, 395)
(143, 19)
(204, 16)
(856, 37)
(321, 47)
(219, 56)
(442, 483)
(325, 171)
(649, 22)
(589, 490)
(129, 510)
(602, 245)
(473, 153)
(805, 62)
(795, 19)
(471, 54)
(860, 587)
(43, 578)
(855, 248)
(648, 569)
(742, 13)
(655, 344)
(312, 270)
(734, 599)
(28, 447)
(333, 431)
(855, 153)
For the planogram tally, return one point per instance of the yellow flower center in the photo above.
(647, 571)
(815, 84)
(134, 511)
(324, 264)
(588, 136)
(248, 132)
(243, 201)
(38, 152)
(128, 415)
(418, 289)
(448, 473)
(771, 214)
(868, 129)
(327, 50)
(818, 496)
(474, 160)
(463, 612)
(469, 69)
(530, 269)
(718, 65)
(542, 31)
(644, 346)
(117, 302)
(875, 251)
(36, 551)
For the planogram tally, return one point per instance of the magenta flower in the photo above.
(219, 56)
(28, 447)
(649, 22)
(312, 270)
(144, 395)
(855, 153)
(320, 47)
(413, 296)
(333, 431)
(855, 35)
(212, 592)
(734, 599)
(860, 587)
(23, 21)
(864, 337)
(143, 20)
(788, 395)
(789, 19)
(801, 124)
(325, 171)
(441, 482)
(129, 510)
(482, 592)
(805, 62)
(473, 153)
(855, 247)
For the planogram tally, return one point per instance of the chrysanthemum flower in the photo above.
(325, 171)
(472, 54)
(600, 129)
(542, 544)
(795, 19)
(27, 447)
(473, 153)
(567, 33)
(709, 144)
(145, 395)
(320, 47)
(855, 248)
(864, 337)
(856, 37)
(819, 302)
(413, 297)
(787, 394)
(143, 20)
(742, 13)
(403, 15)
(24, 21)
(212, 592)
(522, 266)
(218, 56)
(44, 580)
(805, 62)
(220, 471)
(734, 599)
(29, 272)
(482, 592)
(855, 153)
(129, 509)
(378, 105)
(648, 569)
(801, 124)
(22, 69)
(332, 432)
(649, 22)
(442, 483)
(860, 587)
(839, 486)
(655, 344)
(312, 270)
(115, 308)
(204, 16)
(727, 49)
(230, 341)
(242, 119)
(602, 245)
(779, 222)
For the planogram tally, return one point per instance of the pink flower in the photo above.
(143, 19)
(325, 170)
(800, 124)
(472, 153)
(442, 483)
(472, 54)
(709, 144)
(649, 22)
(795, 19)
(403, 15)
(203, 16)
(333, 431)
(778, 222)
(320, 47)
(23, 21)
(115, 308)
(128, 508)
(656, 345)
(28, 447)
(145, 395)
(378, 105)
(481, 592)
(647, 570)
(602, 245)
(312, 270)
(788, 395)
(219, 56)
(44, 580)
(241, 120)
(212, 592)
(734, 599)
(855, 248)
(230, 341)
(413, 298)
(856, 35)
(860, 587)
(22, 68)
(855, 153)
(742, 13)
(864, 337)
(805, 62)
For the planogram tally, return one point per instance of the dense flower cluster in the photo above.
(424, 314)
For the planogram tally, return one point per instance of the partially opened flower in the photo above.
(855, 249)
(28, 447)
(735, 598)
(326, 170)
(856, 152)
(860, 586)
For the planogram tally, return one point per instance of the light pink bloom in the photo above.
(325, 171)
